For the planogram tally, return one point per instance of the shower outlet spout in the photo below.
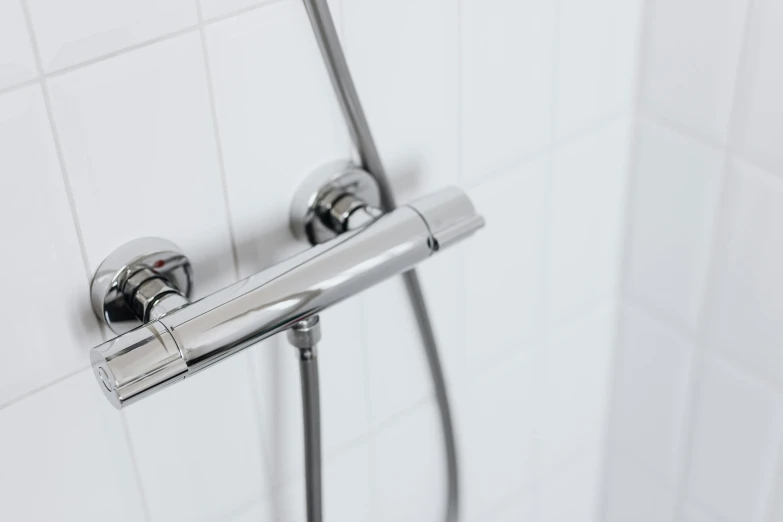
(141, 291)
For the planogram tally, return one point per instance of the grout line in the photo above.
(687, 336)
(681, 327)
(685, 131)
(650, 116)
(776, 489)
(42, 75)
(136, 472)
(18, 86)
(407, 411)
(118, 52)
(56, 138)
(625, 250)
(719, 221)
(218, 140)
(620, 449)
(537, 154)
(26, 395)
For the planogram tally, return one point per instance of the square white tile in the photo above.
(346, 492)
(404, 59)
(410, 469)
(693, 512)
(65, 457)
(397, 364)
(38, 227)
(760, 109)
(507, 82)
(597, 51)
(278, 121)
(140, 153)
(693, 51)
(589, 177)
(738, 426)
(573, 494)
(73, 32)
(522, 508)
(443, 287)
(571, 382)
(504, 265)
(217, 8)
(17, 62)
(651, 392)
(497, 436)
(675, 196)
(746, 317)
(774, 508)
(200, 440)
(633, 494)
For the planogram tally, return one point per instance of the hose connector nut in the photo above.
(305, 335)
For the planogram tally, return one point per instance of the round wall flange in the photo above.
(319, 190)
(106, 290)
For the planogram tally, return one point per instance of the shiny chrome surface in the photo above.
(188, 339)
(325, 32)
(328, 197)
(114, 281)
(305, 336)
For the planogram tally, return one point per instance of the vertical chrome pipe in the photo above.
(337, 66)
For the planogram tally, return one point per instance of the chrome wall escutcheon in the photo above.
(135, 278)
(329, 198)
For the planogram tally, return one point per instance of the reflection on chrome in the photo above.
(182, 340)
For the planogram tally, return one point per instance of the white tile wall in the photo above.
(588, 188)
(745, 311)
(277, 119)
(35, 204)
(651, 391)
(760, 109)
(141, 122)
(511, 290)
(571, 383)
(673, 207)
(697, 396)
(68, 33)
(775, 508)
(346, 492)
(596, 61)
(65, 458)
(523, 507)
(200, 440)
(507, 97)
(217, 8)
(636, 494)
(572, 493)
(17, 62)
(409, 91)
(691, 62)
(222, 108)
(410, 468)
(737, 434)
(696, 513)
(498, 406)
